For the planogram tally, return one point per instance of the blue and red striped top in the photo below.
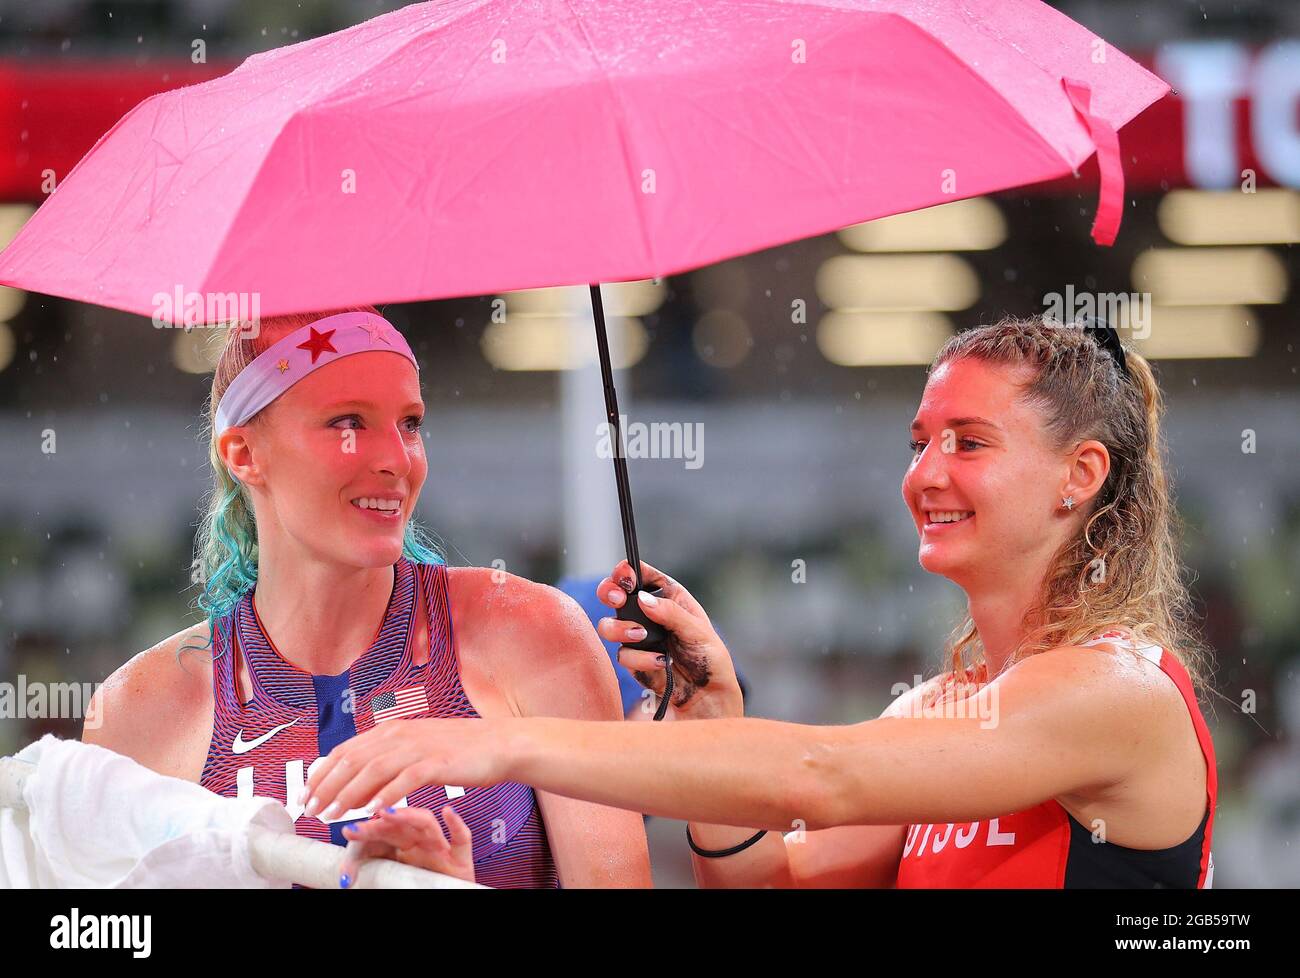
(267, 746)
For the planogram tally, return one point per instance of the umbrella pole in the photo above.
(616, 436)
(656, 637)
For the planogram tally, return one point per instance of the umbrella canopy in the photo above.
(462, 148)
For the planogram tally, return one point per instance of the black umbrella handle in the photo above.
(656, 639)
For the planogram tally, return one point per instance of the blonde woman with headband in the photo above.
(1060, 745)
(328, 613)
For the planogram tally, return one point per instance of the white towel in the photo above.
(97, 819)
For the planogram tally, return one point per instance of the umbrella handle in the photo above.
(656, 640)
(656, 637)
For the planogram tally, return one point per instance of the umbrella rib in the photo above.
(621, 129)
(344, 88)
(436, 183)
(985, 29)
(428, 243)
(1055, 76)
(518, 132)
(305, 111)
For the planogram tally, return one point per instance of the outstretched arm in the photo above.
(1056, 723)
(1051, 725)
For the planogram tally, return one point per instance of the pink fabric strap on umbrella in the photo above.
(1110, 195)
(304, 350)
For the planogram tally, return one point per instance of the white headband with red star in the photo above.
(308, 348)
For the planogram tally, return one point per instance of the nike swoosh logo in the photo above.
(241, 746)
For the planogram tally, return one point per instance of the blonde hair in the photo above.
(1122, 568)
(225, 546)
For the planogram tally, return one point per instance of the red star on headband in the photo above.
(318, 344)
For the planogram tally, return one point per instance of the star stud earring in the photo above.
(1068, 502)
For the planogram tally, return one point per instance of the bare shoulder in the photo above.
(1086, 689)
(1111, 675)
(537, 640)
(1110, 694)
(157, 706)
(513, 609)
(1131, 712)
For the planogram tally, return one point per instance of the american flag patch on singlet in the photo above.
(403, 703)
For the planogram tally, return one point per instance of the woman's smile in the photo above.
(946, 520)
(378, 509)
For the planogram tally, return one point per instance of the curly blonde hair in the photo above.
(1122, 568)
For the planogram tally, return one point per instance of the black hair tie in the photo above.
(1106, 336)
(719, 853)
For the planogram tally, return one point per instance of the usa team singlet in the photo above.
(268, 746)
(1046, 847)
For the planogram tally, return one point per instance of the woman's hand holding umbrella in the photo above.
(704, 687)
(704, 679)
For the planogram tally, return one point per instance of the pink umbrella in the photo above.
(463, 148)
(451, 149)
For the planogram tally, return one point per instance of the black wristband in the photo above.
(719, 853)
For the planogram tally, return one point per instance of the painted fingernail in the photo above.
(345, 881)
(662, 659)
(636, 633)
(390, 810)
(333, 811)
(648, 599)
(351, 827)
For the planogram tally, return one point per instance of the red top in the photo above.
(1045, 847)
